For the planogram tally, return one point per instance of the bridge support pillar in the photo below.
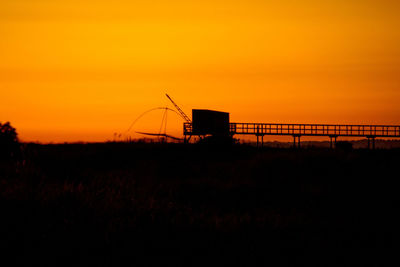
(258, 134)
(371, 138)
(258, 140)
(333, 141)
(298, 141)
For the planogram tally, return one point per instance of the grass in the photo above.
(102, 204)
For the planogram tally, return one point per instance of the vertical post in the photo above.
(262, 140)
(258, 134)
(331, 144)
(371, 138)
(294, 141)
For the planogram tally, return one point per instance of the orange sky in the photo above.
(83, 70)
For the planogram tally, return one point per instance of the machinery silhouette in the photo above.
(162, 133)
(216, 125)
(184, 116)
(163, 128)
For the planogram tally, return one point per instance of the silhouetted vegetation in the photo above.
(344, 145)
(104, 204)
(9, 145)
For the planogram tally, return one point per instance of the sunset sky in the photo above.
(81, 70)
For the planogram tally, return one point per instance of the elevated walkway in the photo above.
(333, 131)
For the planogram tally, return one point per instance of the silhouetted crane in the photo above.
(184, 116)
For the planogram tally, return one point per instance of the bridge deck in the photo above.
(331, 130)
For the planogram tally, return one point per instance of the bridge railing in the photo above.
(315, 129)
(308, 129)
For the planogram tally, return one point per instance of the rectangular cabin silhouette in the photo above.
(211, 122)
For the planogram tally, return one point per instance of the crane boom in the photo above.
(184, 116)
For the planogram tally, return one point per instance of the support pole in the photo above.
(333, 141)
(258, 135)
(371, 138)
(294, 141)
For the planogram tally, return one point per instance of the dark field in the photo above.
(107, 204)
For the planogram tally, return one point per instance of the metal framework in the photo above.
(183, 114)
(297, 130)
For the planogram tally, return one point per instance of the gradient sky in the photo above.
(83, 70)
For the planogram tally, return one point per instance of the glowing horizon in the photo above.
(84, 70)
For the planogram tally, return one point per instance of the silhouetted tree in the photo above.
(9, 144)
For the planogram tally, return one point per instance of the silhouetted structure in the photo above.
(210, 122)
(298, 130)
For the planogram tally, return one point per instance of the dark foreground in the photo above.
(108, 204)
